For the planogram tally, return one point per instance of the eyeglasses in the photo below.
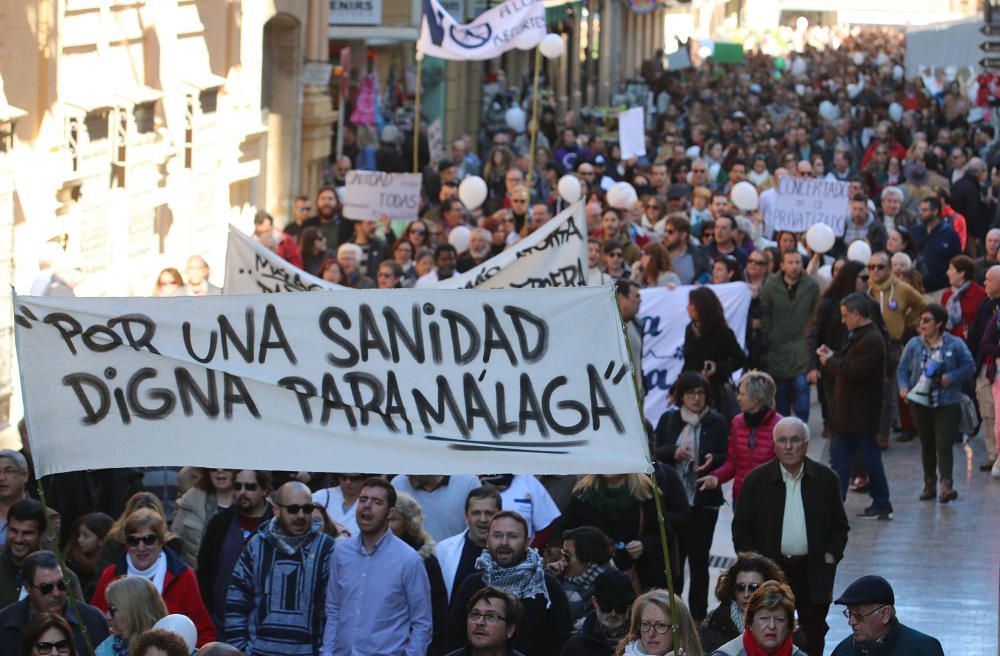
(47, 588)
(858, 616)
(621, 609)
(863, 278)
(785, 441)
(249, 487)
(9, 471)
(877, 267)
(295, 508)
(659, 627)
(475, 617)
(754, 261)
(927, 319)
(61, 646)
(695, 392)
(616, 254)
(112, 610)
(418, 232)
(135, 540)
(747, 587)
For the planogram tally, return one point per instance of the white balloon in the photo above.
(828, 111)
(527, 40)
(516, 119)
(569, 188)
(898, 72)
(859, 251)
(622, 196)
(820, 238)
(552, 46)
(881, 59)
(180, 625)
(896, 112)
(824, 276)
(799, 67)
(459, 238)
(472, 192)
(744, 196)
(858, 58)
(800, 89)
(853, 90)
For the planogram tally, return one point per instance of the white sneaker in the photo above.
(995, 472)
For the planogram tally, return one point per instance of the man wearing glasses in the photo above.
(607, 623)
(790, 510)
(689, 262)
(274, 605)
(871, 612)
(47, 594)
(491, 622)
(225, 536)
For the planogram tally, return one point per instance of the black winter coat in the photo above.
(588, 642)
(721, 348)
(714, 440)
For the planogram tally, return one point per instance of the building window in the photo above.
(6, 136)
(145, 115)
(97, 124)
(120, 150)
(189, 131)
(73, 141)
(209, 101)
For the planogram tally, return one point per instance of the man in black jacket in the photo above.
(985, 367)
(225, 536)
(790, 510)
(516, 569)
(607, 623)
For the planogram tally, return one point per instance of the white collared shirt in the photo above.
(794, 541)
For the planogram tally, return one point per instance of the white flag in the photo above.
(491, 34)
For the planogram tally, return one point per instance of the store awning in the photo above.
(382, 34)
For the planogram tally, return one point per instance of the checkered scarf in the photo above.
(526, 580)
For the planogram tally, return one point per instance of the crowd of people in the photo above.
(902, 345)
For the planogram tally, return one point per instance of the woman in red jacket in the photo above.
(146, 556)
(751, 435)
(964, 296)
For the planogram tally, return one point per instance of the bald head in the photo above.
(293, 492)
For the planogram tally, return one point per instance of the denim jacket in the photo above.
(958, 364)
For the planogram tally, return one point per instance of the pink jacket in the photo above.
(741, 460)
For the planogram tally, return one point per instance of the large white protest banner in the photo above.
(253, 269)
(369, 195)
(801, 202)
(663, 316)
(555, 255)
(488, 36)
(415, 381)
(632, 133)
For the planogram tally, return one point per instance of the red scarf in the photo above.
(753, 649)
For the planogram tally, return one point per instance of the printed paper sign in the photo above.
(801, 202)
(663, 316)
(416, 381)
(632, 133)
(369, 195)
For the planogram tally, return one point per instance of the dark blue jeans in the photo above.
(797, 386)
(842, 451)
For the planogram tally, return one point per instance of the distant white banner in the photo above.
(369, 195)
(632, 133)
(253, 269)
(489, 35)
(555, 255)
(802, 202)
(417, 381)
(663, 315)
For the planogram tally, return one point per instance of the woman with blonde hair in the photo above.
(134, 606)
(651, 631)
(768, 624)
(622, 507)
(408, 525)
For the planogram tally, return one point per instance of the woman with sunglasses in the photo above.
(146, 556)
(735, 587)
(769, 624)
(47, 634)
(416, 234)
(134, 606)
(651, 631)
(113, 547)
(931, 371)
(212, 492)
(751, 434)
(169, 283)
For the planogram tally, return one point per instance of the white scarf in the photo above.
(690, 437)
(156, 572)
(634, 648)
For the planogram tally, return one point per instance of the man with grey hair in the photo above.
(989, 257)
(893, 215)
(790, 510)
(985, 362)
(13, 478)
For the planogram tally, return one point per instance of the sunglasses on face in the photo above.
(249, 487)
(747, 587)
(877, 267)
(44, 648)
(136, 540)
(614, 254)
(295, 508)
(621, 609)
(47, 588)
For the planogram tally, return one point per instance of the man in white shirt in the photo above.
(442, 498)
(526, 496)
(341, 502)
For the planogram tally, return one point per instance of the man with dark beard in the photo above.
(336, 228)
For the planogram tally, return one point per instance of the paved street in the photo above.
(943, 561)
